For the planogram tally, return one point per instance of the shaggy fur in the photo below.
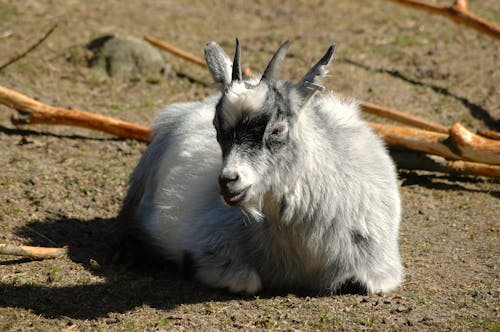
(311, 194)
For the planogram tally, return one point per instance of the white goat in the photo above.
(311, 194)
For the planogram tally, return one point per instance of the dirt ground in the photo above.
(63, 186)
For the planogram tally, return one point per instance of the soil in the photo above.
(64, 186)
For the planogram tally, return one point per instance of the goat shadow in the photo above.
(124, 287)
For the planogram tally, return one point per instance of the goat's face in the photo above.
(255, 123)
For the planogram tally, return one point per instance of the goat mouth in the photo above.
(234, 199)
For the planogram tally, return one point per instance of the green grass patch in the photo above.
(5, 14)
(404, 40)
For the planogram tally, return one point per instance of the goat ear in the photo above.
(219, 64)
(274, 67)
(311, 82)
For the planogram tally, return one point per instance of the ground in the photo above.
(63, 186)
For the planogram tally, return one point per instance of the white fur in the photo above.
(329, 213)
(310, 246)
(241, 100)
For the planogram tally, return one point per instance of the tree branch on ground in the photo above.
(489, 133)
(460, 144)
(166, 46)
(458, 12)
(414, 160)
(32, 252)
(401, 117)
(31, 48)
(31, 111)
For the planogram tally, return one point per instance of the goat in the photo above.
(309, 193)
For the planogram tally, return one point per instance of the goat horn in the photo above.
(274, 67)
(236, 63)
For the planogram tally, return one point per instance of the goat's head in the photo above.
(256, 121)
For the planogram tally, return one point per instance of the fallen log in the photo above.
(31, 111)
(401, 117)
(475, 147)
(458, 12)
(33, 252)
(459, 144)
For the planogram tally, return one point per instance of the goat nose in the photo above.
(228, 177)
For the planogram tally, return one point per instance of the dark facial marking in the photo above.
(248, 133)
(265, 127)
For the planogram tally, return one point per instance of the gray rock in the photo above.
(125, 57)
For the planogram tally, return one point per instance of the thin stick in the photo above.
(32, 252)
(33, 112)
(419, 161)
(176, 51)
(402, 117)
(22, 55)
(184, 54)
(31, 229)
(467, 167)
(458, 12)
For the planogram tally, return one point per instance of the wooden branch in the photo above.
(184, 54)
(468, 143)
(489, 134)
(31, 48)
(33, 252)
(460, 144)
(458, 12)
(402, 117)
(33, 112)
(176, 51)
(420, 161)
